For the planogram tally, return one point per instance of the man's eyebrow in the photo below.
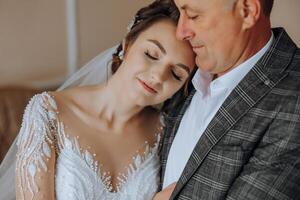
(187, 7)
(158, 44)
(186, 68)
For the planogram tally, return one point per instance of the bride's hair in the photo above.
(144, 18)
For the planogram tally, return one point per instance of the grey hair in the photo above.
(267, 5)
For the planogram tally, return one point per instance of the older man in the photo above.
(237, 136)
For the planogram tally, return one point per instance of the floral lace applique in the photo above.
(41, 132)
(35, 141)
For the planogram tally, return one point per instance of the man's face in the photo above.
(214, 29)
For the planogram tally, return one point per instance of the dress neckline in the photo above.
(72, 143)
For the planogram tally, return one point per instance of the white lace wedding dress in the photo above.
(77, 174)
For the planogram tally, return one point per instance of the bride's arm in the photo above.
(35, 164)
(37, 186)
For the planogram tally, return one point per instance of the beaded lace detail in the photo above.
(78, 175)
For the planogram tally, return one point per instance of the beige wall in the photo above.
(33, 36)
(33, 42)
(286, 14)
(103, 23)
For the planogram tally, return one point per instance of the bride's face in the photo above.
(156, 65)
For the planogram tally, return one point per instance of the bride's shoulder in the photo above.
(42, 101)
(41, 107)
(74, 95)
(39, 115)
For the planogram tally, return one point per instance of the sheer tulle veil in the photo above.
(98, 70)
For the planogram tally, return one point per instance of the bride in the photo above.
(101, 141)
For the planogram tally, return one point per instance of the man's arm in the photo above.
(273, 171)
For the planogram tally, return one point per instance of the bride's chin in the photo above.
(138, 96)
(138, 99)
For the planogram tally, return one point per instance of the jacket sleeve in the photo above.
(273, 170)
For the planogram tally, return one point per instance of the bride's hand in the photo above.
(165, 194)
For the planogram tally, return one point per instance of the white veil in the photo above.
(98, 70)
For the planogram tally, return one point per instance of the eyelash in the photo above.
(150, 56)
(154, 58)
(176, 76)
(193, 17)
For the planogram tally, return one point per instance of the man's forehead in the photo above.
(183, 4)
(195, 4)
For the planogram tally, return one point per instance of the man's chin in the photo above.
(201, 64)
(204, 66)
(198, 61)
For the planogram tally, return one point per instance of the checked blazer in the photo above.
(251, 148)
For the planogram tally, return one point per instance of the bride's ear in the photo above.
(124, 49)
(123, 44)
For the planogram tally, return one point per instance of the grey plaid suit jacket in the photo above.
(251, 148)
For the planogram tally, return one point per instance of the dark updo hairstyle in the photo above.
(144, 18)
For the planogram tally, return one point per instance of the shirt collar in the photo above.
(204, 83)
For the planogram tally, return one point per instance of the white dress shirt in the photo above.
(210, 95)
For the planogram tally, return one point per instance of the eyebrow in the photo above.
(186, 68)
(187, 7)
(159, 45)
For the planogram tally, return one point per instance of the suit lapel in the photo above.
(257, 83)
(172, 122)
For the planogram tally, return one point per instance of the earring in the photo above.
(121, 54)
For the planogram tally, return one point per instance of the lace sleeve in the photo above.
(36, 147)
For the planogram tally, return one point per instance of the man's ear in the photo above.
(249, 11)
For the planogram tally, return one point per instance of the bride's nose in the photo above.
(159, 74)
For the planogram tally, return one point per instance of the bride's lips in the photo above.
(147, 87)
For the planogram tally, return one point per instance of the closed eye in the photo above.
(150, 56)
(193, 17)
(173, 72)
(175, 75)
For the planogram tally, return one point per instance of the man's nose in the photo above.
(183, 31)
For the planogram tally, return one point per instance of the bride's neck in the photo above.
(113, 106)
